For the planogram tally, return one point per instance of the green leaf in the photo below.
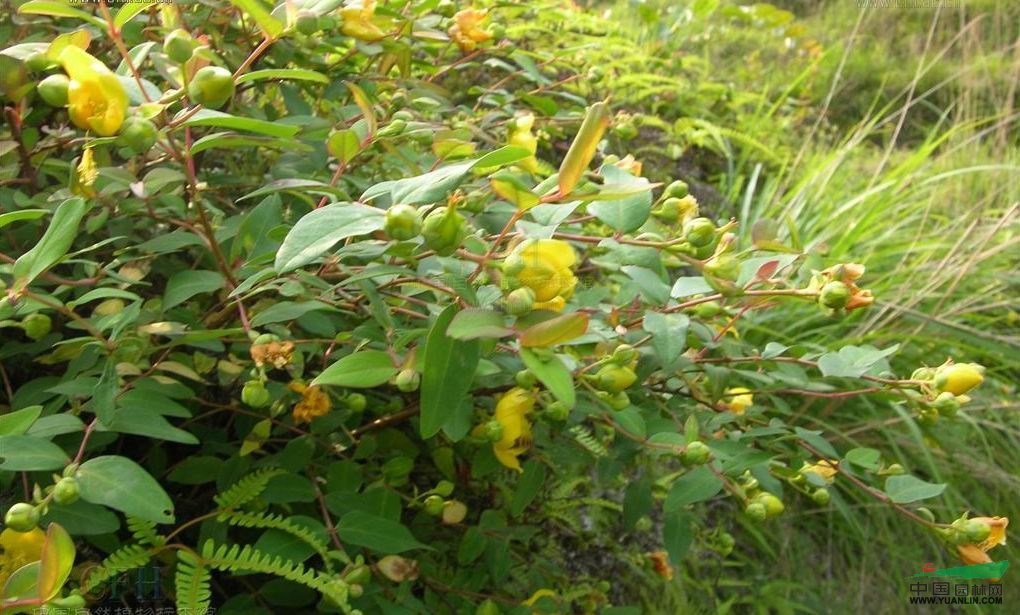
(184, 285)
(23, 214)
(447, 374)
(528, 486)
(474, 323)
(669, 335)
(121, 484)
(231, 140)
(854, 361)
(316, 232)
(376, 533)
(128, 11)
(653, 290)
(271, 26)
(677, 536)
(630, 212)
(905, 488)
(29, 453)
(815, 439)
(694, 486)
(867, 458)
(55, 243)
(637, 501)
(299, 74)
(689, 286)
(287, 311)
(343, 145)
(18, 422)
(553, 374)
(59, 9)
(364, 369)
(56, 560)
(218, 119)
(146, 422)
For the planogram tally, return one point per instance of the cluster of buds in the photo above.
(837, 288)
(813, 479)
(616, 376)
(538, 274)
(944, 388)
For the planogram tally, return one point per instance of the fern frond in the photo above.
(246, 489)
(587, 441)
(144, 532)
(192, 584)
(279, 522)
(123, 559)
(234, 558)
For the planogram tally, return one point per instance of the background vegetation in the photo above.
(885, 136)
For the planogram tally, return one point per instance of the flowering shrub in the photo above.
(335, 293)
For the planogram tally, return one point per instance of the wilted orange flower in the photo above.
(660, 561)
(978, 553)
(277, 354)
(849, 273)
(314, 402)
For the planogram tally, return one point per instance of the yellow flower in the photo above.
(825, 468)
(87, 171)
(739, 400)
(96, 99)
(314, 402)
(521, 136)
(512, 414)
(359, 21)
(978, 553)
(18, 549)
(544, 266)
(466, 30)
(958, 378)
(629, 164)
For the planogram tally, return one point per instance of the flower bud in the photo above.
(22, 517)
(444, 229)
(695, 453)
(678, 189)
(946, 404)
(699, 232)
(959, 378)
(138, 134)
(359, 574)
(407, 380)
(724, 267)
(179, 45)
(669, 210)
(211, 86)
(894, 470)
(493, 431)
(834, 295)
(254, 394)
(756, 511)
(307, 22)
(624, 354)
(525, 379)
(66, 491)
(398, 569)
(433, 505)
(773, 505)
(613, 378)
(557, 411)
(37, 326)
(976, 531)
(923, 373)
(53, 90)
(394, 128)
(619, 401)
(520, 302)
(403, 222)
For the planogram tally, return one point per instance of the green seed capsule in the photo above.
(699, 232)
(66, 491)
(22, 517)
(834, 295)
(37, 326)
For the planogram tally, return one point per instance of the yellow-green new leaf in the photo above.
(582, 150)
(555, 331)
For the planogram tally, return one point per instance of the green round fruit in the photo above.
(403, 222)
(773, 505)
(211, 86)
(37, 326)
(619, 401)
(724, 267)
(624, 354)
(66, 491)
(138, 134)
(821, 496)
(976, 531)
(356, 402)
(407, 380)
(520, 301)
(307, 22)
(53, 90)
(625, 130)
(434, 505)
(39, 62)
(557, 411)
(525, 379)
(699, 232)
(444, 230)
(255, 394)
(22, 517)
(179, 45)
(834, 295)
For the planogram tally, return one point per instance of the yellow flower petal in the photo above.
(96, 99)
(18, 549)
(740, 399)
